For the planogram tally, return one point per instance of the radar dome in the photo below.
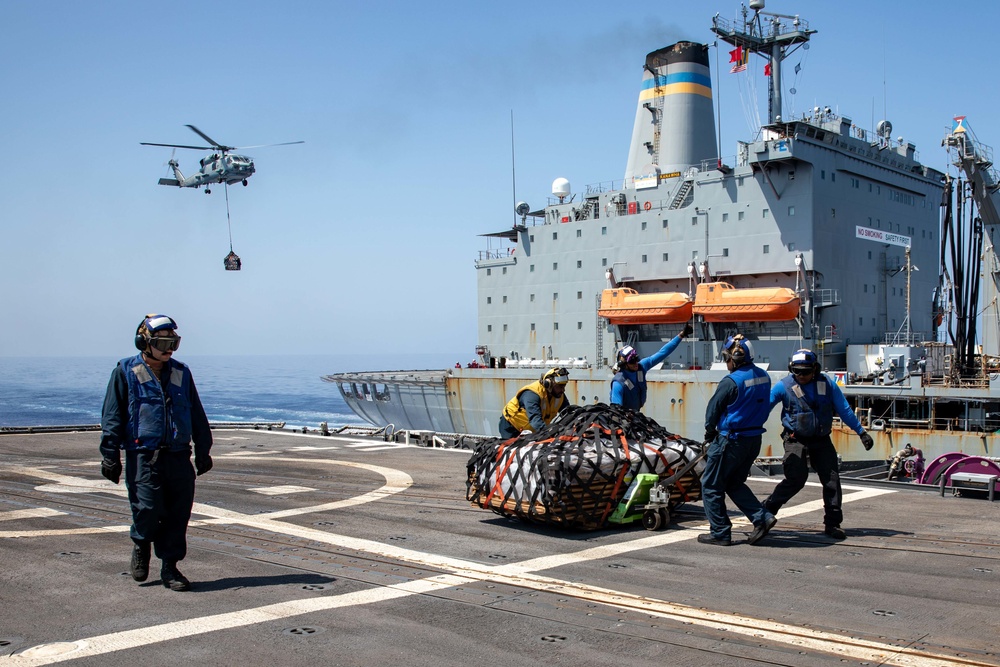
(560, 188)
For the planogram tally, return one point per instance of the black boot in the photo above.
(172, 578)
(139, 565)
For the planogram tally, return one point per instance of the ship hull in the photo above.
(469, 401)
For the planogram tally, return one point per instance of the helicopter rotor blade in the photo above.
(197, 148)
(215, 144)
(286, 143)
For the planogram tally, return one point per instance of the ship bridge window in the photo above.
(604, 261)
(643, 226)
(579, 264)
(725, 217)
(833, 176)
(791, 247)
(579, 295)
(505, 298)
(767, 249)
(555, 266)
(532, 326)
(555, 326)
(505, 328)
(694, 220)
(489, 272)
(725, 252)
(666, 257)
(555, 296)
(791, 210)
(579, 325)
(579, 233)
(531, 269)
(505, 270)
(739, 215)
(489, 300)
(531, 238)
(644, 259)
(694, 254)
(489, 328)
(664, 224)
(555, 235)
(532, 298)
(604, 231)
(764, 213)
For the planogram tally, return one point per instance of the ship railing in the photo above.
(821, 298)
(903, 338)
(774, 27)
(499, 253)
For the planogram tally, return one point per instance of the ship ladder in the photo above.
(682, 192)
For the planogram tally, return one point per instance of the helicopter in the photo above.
(219, 167)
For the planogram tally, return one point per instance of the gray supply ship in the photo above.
(809, 237)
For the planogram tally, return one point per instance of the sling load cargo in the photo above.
(578, 471)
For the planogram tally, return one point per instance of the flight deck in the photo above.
(342, 550)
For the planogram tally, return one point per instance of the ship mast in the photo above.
(772, 38)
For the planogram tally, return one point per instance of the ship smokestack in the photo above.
(674, 127)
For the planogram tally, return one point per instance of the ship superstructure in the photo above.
(811, 235)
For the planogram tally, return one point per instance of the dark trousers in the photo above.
(161, 494)
(727, 467)
(507, 431)
(822, 455)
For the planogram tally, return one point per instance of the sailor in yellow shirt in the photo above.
(535, 405)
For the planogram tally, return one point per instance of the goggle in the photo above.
(165, 343)
(802, 371)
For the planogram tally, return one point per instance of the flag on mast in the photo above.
(738, 57)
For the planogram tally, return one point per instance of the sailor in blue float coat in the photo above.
(809, 400)
(734, 423)
(628, 387)
(153, 412)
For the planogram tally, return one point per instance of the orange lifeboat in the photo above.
(721, 302)
(623, 305)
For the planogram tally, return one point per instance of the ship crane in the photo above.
(976, 162)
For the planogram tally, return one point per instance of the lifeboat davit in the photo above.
(623, 305)
(721, 302)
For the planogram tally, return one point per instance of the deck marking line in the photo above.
(33, 513)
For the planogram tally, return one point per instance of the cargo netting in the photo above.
(574, 472)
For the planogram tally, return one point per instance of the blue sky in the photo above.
(363, 239)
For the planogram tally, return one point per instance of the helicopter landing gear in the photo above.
(208, 191)
(244, 182)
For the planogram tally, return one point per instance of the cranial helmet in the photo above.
(151, 324)
(554, 376)
(738, 349)
(803, 360)
(627, 355)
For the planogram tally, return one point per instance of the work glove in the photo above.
(111, 470)
(688, 330)
(867, 441)
(202, 463)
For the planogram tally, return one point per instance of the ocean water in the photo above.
(69, 391)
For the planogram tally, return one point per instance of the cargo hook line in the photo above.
(229, 222)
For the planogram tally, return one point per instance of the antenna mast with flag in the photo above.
(771, 38)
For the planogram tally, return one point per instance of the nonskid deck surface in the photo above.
(310, 550)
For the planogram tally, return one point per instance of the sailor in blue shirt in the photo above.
(628, 387)
(734, 423)
(809, 399)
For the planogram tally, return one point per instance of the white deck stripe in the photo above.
(33, 513)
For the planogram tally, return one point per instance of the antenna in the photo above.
(513, 179)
